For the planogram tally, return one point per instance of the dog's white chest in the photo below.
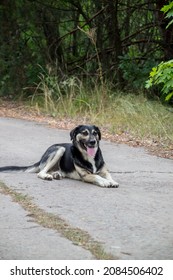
(92, 161)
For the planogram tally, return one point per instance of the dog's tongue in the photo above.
(91, 151)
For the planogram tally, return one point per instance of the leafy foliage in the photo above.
(168, 10)
(135, 72)
(162, 75)
(123, 46)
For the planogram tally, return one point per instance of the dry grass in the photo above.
(122, 117)
(78, 236)
(119, 113)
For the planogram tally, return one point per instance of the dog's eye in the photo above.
(94, 133)
(85, 133)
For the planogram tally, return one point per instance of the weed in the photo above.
(91, 34)
(76, 235)
(118, 112)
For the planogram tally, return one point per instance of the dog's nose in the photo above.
(92, 142)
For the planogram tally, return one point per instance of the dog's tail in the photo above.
(30, 169)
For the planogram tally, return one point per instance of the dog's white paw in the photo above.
(45, 176)
(102, 182)
(113, 184)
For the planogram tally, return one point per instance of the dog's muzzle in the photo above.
(91, 147)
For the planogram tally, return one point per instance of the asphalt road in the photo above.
(134, 221)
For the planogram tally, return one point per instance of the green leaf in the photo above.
(148, 84)
(153, 72)
(171, 22)
(169, 96)
(166, 8)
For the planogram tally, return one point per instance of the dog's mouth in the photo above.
(90, 149)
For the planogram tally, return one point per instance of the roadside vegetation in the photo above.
(134, 115)
(89, 61)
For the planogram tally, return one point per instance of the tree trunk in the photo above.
(52, 36)
(114, 38)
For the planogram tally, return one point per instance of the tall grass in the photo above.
(117, 112)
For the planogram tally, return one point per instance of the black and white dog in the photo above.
(81, 160)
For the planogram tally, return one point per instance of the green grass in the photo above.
(118, 112)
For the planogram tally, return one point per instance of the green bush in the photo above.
(134, 71)
(162, 75)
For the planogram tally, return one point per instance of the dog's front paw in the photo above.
(45, 176)
(102, 182)
(113, 184)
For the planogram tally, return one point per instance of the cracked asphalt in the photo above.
(134, 221)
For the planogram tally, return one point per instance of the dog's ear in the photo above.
(74, 132)
(98, 131)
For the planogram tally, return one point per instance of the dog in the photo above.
(80, 160)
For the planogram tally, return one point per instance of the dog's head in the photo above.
(86, 138)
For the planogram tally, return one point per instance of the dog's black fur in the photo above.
(81, 160)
